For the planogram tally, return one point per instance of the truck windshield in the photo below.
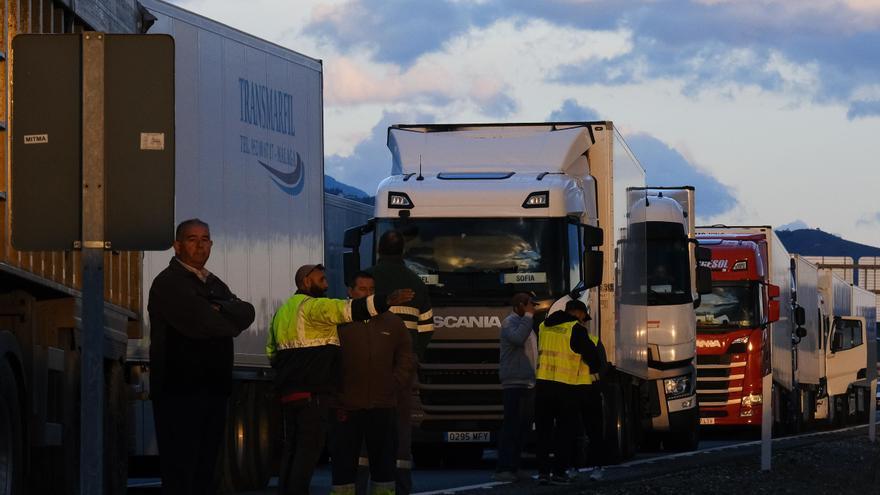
(729, 306)
(485, 261)
(669, 275)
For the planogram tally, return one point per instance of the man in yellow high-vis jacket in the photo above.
(303, 349)
(560, 370)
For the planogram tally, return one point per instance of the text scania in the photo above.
(467, 321)
(266, 108)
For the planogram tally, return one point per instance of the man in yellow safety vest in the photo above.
(560, 370)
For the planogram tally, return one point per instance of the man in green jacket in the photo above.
(303, 349)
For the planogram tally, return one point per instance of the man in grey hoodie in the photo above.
(518, 360)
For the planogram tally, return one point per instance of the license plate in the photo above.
(467, 436)
(707, 421)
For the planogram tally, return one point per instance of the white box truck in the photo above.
(250, 163)
(675, 282)
(489, 210)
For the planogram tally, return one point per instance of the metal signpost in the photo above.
(122, 109)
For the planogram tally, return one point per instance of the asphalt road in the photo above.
(479, 474)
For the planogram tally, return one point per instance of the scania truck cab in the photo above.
(489, 210)
(734, 326)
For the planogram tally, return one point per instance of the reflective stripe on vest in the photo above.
(556, 361)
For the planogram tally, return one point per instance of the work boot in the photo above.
(403, 477)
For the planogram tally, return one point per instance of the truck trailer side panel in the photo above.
(810, 352)
(249, 162)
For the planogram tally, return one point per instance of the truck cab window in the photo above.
(487, 260)
(736, 305)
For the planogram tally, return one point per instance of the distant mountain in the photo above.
(796, 225)
(333, 186)
(814, 242)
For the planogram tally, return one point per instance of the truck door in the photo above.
(846, 353)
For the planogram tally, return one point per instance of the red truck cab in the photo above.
(733, 343)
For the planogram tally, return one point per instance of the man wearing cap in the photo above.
(518, 358)
(560, 370)
(303, 349)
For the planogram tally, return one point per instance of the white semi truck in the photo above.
(675, 281)
(489, 210)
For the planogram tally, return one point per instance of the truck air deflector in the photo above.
(475, 175)
(489, 149)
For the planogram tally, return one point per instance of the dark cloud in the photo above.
(667, 167)
(684, 40)
(863, 108)
(398, 30)
(499, 106)
(570, 111)
(370, 162)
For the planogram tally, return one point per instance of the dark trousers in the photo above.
(589, 400)
(519, 403)
(350, 430)
(305, 432)
(555, 417)
(189, 430)
(403, 477)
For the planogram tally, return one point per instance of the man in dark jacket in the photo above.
(392, 273)
(193, 318)
(377, 361)
(588, 398)
(517, 362)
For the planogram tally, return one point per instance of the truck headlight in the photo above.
(677, 385)
(752, 400)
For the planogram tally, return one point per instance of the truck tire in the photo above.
(615, 424)
(11, 438)
(251, 447)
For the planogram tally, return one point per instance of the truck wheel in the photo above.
(251, 446)
(615, 425)
(11, 439)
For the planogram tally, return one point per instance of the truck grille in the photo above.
(719, 380)
(460, 377)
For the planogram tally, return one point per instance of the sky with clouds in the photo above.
(771, 108)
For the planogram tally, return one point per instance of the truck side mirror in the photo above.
(704, 280)
(772, 311)
(593, 268)
(800, 332)
(351, 264)
(352, 237)
(593, 236)
(800, 316)
(704, 273)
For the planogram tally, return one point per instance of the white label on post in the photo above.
(36, 139)
(525, 278)
(154, 141)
